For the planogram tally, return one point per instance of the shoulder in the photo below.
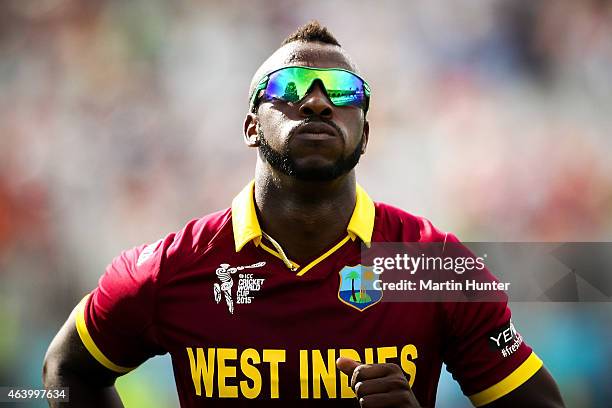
(200, 232)
(393, 224)
(142, 266)
(197, 236)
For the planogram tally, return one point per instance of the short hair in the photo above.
(311, 32)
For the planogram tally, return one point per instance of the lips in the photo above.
(319, 129)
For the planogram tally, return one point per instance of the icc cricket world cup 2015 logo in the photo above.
(224, 273)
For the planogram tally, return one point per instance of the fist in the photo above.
(378, 385)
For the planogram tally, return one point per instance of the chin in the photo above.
(316, 173)
(314, 163)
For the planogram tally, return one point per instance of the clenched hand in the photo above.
(378, 385)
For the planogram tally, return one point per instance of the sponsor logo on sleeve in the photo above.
(505, 339)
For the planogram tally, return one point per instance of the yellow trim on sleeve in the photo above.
(89, 343)
(524, 372)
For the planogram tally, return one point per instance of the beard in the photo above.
(283, 162)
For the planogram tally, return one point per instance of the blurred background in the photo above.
(120, 121)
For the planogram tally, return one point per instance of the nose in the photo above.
(316, 102)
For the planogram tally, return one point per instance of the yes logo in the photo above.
(505, 339)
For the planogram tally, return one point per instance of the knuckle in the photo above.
(355, 376)
(399, 382)
(365, 402)
(405, 396)
(358, 388)
(357, 373)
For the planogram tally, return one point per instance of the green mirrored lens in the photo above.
(292, 83)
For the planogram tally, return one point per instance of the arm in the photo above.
(384, 385)
(540, 391)
(110, 332)
(69, 364)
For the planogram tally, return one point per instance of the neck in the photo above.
(304, 217)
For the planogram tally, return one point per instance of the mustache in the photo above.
(320, 120)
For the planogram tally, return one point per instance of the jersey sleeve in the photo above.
(483, 350)
(116, 321)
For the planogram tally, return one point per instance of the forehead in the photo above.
(309, 54)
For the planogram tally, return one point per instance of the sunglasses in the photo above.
(291, 84)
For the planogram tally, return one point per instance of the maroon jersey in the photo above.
(246, 328)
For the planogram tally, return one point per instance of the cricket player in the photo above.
(265, 304)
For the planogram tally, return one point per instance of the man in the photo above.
(247, 300)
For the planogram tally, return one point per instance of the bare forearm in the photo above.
(68, 364)
(82, 393)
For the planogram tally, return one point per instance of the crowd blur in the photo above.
(120, 121)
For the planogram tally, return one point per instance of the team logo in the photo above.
(357, 287)
(246, 284)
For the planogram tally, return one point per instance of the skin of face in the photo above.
(317, 137)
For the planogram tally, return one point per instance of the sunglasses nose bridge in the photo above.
(316, 101)
(316, 83)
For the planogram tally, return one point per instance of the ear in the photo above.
(251, 123)
(366, 136)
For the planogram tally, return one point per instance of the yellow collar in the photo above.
(246, 226)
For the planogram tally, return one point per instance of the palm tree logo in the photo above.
(352, 275)
(356, 287)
